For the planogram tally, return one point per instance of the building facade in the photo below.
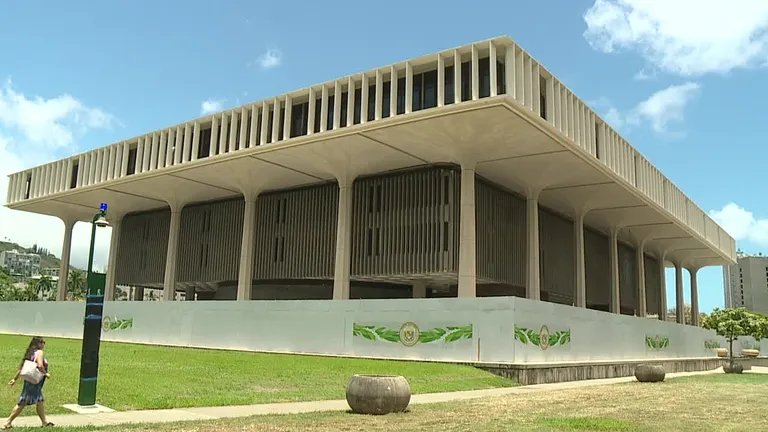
(469, 172)
(20, 264)
(746, 283)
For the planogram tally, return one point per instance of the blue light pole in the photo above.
(94, 308)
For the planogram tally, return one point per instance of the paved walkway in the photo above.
(214, 413)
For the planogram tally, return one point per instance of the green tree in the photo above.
(44, 288)
(732, 323)
(76, 285)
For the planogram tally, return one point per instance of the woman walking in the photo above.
(32, 394)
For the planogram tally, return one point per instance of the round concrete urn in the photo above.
(722, 352)
(750, 353)
(736, 368)
(649, 373)
(378, 394)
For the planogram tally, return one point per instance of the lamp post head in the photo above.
(101, 221)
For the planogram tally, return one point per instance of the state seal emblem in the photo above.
(409, 334)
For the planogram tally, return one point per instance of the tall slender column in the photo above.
(66, 248)
(662, 287)
(613, 249)
(343, 241)
(169, 283)
(642, 304)
(245, 276)
(114, 245)
(419, 289)
(695, 296)
(580, 296)
(533, 283)
(467, 238)
(679, 299)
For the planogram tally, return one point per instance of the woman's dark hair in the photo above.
(35, 344)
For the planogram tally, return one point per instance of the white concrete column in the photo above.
(111, 163)
(66, 248)
(114, 246)
(350, 106)
(145, 163)
(138, 294)
(364, 97)
(440, 80)
(456, 76)
(613, 253)
(276, 120)
(392, 91)
(379, 95)
(408, 88)
(580, 297)
(662, 287)
(289, 112)
(336, 105)
(509, 71)
(245, 276)
(343, 242)
(694, 296)
(265, 122)
(169, 283)
(679, 299)
(467, 235)
(533, 277)
(186, 154)
(243, 140)
(475, 73)
(80, 169)
(419, 289)
(195, 142)
(213, 148)
(255, 125)
(155, 152)
(642, 304)
(324, 108)
(178, 146)
(234, 120)
(170, 147)
(223, 146)
(139, 167)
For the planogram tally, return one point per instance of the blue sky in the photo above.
(684, 83)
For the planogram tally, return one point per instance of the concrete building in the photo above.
(465, 173)
(20, 264)
(745, 283)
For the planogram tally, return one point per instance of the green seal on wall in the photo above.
(409, 334)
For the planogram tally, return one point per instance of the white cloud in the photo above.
(613, 117)
(741, 224)
(211, 106)
(32, 131)
(685, 37)
(271, 59)
(664, 107)
(645, 75)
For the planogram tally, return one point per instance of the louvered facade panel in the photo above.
(143, 248)
(598, 270)
(296, 233)
(653, 285)
(406, 223)
(557, 265)
(627, 279)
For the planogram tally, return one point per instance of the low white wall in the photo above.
(499, 329)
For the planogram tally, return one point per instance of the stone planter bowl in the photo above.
(736, 369)
(649, 373)
(378, 394)
(722, 352)
(750, 352)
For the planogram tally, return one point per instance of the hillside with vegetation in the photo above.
(47, 259)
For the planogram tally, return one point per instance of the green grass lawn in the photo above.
(133, 377)
(692, 404)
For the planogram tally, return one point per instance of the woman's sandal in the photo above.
(7, 426)
(49, 424)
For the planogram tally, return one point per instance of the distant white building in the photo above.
(745, 284)
(51, 271)
(20, 264)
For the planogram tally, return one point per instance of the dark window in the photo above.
(484, 77)
(281, 127)
(543, 98)
(258, 129)
(417, 94)
(501, 77)
(277, 249)
(358, 105)
(370, 242)
(430, 90)
(449, 94)
(446, 188)
(401, 95)
(299, 115)
(445, 236)
(331, 102)
(378, 241)
(132, 161)
(466, 81)
(318, 114)
(237, 136)
(343, 114)
(216, 133)
(204, 149)
(371, 102)
(386, 97)
(282, 249)
(598, 144)
(248, 130)
(27, 187)
(270, 120)
(73, 181)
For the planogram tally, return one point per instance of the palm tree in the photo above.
(44, 287)
(76, 285)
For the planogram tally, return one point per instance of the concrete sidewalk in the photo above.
(214, 413)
